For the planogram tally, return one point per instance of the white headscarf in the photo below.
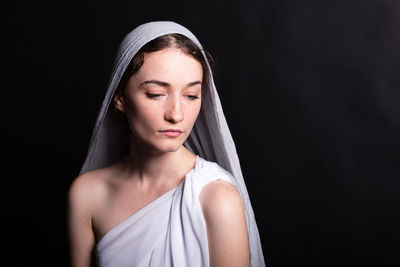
(210, 137)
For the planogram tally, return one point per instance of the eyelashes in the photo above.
(155, 96)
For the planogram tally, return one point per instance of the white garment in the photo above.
(210, 137)
(169, 231)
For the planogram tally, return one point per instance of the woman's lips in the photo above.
(172, 132)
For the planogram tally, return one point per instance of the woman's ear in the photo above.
(119, 102)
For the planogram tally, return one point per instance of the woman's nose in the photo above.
(174, 112)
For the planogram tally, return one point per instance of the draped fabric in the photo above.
(169, 231)
(210, 137)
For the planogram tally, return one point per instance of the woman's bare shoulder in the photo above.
(226, 224)
(220, 198)
(90, 187)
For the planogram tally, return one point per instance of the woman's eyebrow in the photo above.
(165, 84)
(160, 83)
(194, 83)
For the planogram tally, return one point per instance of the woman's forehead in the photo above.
(171, 62)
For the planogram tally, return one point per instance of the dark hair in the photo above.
(166, 41)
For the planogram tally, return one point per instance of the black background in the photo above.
(310, 89)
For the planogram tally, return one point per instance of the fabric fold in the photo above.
(169, 231)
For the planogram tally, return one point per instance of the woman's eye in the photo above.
(192, 97)
(152, 95)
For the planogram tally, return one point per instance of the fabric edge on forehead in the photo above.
(143, 34)
(151, 30)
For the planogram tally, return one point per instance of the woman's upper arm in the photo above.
(226, 225)
(81, 236)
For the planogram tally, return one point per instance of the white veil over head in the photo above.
(210, 137)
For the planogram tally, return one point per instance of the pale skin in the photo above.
(164, 94)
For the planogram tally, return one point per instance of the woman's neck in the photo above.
(156, 167)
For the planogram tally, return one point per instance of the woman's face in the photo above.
(162, 99)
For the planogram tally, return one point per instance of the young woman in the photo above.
(161, 184)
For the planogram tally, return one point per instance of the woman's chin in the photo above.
(160, 145)
(168, 146)
(171, 148)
